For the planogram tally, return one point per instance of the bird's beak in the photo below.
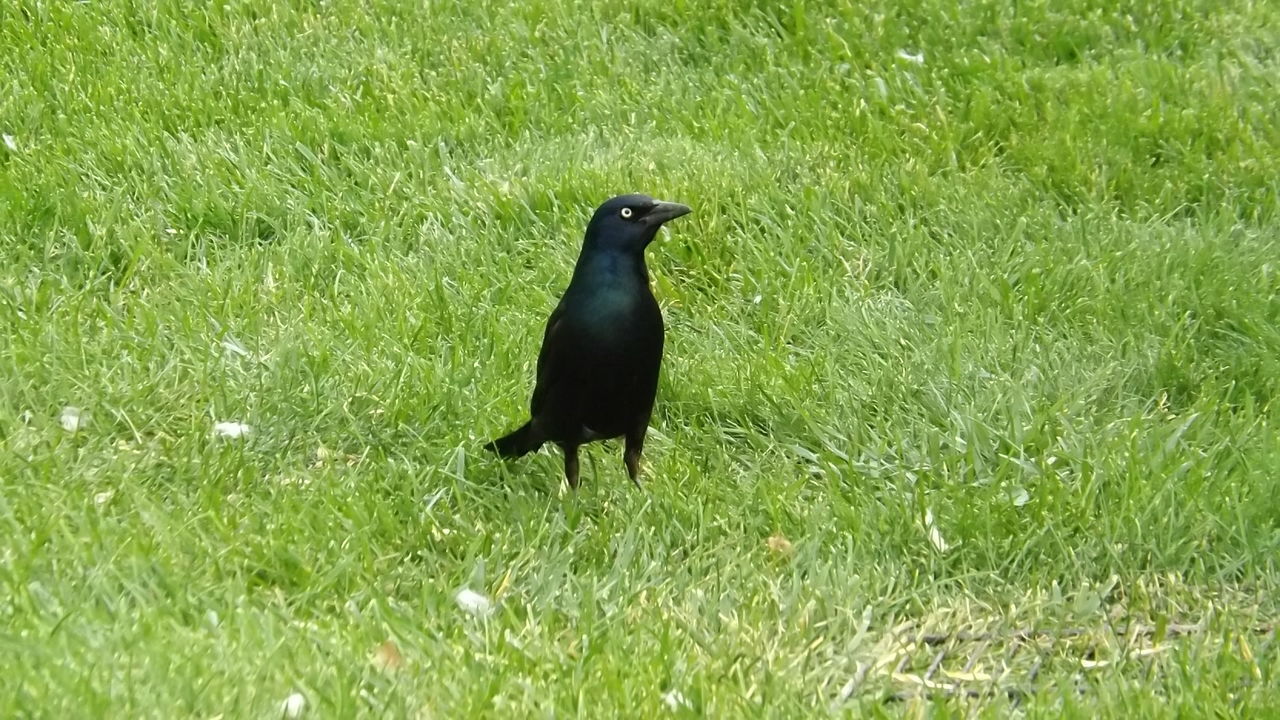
(665, 211)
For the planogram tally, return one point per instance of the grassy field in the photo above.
(975, 328)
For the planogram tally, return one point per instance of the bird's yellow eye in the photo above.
(626, 213)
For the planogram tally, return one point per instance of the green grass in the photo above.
(1028, 287)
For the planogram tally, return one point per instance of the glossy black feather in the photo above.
(597, 373)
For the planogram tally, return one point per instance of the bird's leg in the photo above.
(570, 464)
(631, 454)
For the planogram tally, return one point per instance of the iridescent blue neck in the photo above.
(609, 268)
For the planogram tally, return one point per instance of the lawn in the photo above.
(974, 331)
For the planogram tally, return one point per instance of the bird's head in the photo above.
(630, 222)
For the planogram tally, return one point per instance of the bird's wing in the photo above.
(550, 358)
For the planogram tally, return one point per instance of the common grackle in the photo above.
(601, 352)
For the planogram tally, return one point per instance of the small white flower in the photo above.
(103, 497)
(674, 700)
(935, 537)
(917, 58)
(212, 620)
(293, 705)
(72, 419)
(473, 602)
(1020, 497)
(10, 143)
(231, 429)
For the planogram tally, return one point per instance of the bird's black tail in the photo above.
(521, 442)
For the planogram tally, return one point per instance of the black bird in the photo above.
(601, 352)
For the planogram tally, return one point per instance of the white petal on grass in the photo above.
(674, 700)
(473, 602)
(935, 536)
(1020, 497)
(72, 419)
(234, 347)
(10, 143)
(231, 429)
(103, 497)
(917, 58)
(881, 86)
(293, 705)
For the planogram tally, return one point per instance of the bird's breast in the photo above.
(610, 307)
(617, 303)
(616, 319)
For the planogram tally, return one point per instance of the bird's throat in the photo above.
(610, 292)
(611, 271)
